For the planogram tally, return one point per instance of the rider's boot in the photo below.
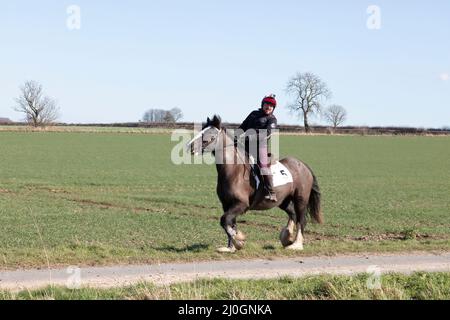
(271, 195)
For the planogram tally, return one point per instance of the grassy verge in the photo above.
(421, 286)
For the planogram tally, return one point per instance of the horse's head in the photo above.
(209, 136)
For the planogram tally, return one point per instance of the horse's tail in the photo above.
(314, 201)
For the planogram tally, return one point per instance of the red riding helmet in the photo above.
(270, 99)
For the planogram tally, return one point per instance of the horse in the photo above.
(238, 192)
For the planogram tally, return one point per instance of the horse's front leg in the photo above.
(236, 238)
(287, 235)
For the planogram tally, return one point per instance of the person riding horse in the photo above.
(239, 194)
(259, 120)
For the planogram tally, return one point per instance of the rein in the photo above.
(239, 154)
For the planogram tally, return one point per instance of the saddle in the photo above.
(256, 168)
(280, 173)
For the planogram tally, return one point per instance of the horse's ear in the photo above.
(216, 121)
(208, 121)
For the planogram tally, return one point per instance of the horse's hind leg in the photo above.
(228, 222)
(287, 235)
(300, 211)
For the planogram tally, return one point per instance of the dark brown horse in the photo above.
(238, 192)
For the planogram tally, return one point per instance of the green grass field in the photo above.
(103, 198)
(418, 286)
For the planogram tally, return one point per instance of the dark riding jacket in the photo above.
(259, 120)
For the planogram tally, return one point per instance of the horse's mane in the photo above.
(236, 142)
(216, 122)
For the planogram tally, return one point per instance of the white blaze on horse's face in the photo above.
(208, 136)
(209, 139)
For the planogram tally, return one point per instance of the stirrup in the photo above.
(271, 196)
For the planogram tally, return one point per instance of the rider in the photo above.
(263, 119)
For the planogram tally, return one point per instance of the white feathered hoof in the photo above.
(226, 250)
(286, 237)
(240, 236)
(295, 246)
(238, 244)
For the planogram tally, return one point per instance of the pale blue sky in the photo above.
(222, 57)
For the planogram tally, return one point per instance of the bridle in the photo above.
(238, 153)
(200, 134)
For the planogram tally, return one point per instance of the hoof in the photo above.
(240, 236)
(226, 250)
(238, 244)
(297, 247)
(286, 238)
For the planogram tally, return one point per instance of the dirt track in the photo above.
(236, 269)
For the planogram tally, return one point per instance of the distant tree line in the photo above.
(41, 110)
(161, 115)
(5, 120)
(308, 91)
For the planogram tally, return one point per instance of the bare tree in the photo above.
(177, 114)
(39, 110)
(335, 115)
(308, 91)
(168, 117)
